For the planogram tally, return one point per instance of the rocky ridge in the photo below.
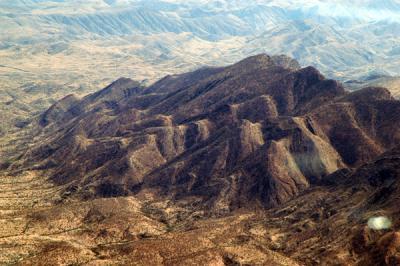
(256, 133)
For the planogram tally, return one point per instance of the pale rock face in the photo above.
(251, 137)
(316, 156)
(145, 158)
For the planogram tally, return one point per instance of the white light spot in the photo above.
(379, 223)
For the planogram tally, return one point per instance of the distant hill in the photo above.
(390, 82)
(78, 47)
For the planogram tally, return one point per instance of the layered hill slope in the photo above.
(256, 133)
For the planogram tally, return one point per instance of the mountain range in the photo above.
(60, 47)
(187, 127)
(344, 40)
(207, 132)
(340, 38)
(261, 162)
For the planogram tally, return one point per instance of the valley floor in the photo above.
(324, 226)
(35, 230)
(21, 196)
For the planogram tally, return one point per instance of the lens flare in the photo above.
(379, 223)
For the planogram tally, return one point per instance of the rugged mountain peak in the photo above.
(311, 71)
(286, 62)
(116, 90)
(58, 111)
(261, 61)
(252, 63)
(311, 89)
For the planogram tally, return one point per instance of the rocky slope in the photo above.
(256, 133)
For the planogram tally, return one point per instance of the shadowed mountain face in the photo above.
(256, 133)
